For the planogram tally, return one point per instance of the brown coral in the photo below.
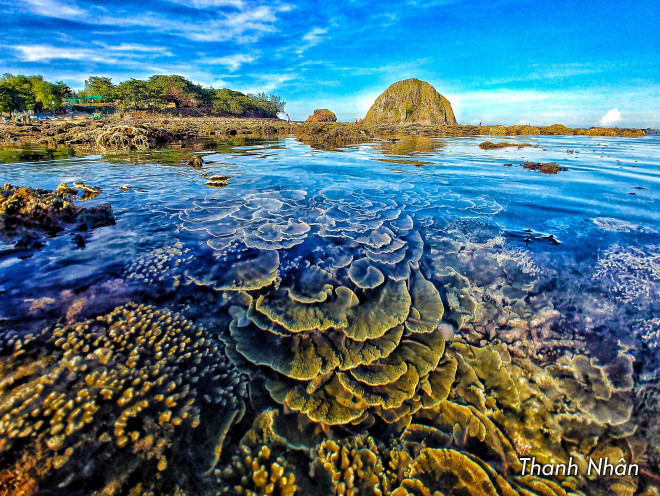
(257, 474)
(349, 467)
(28, 212)
(117, 391)
(130, 137)
(489, 145)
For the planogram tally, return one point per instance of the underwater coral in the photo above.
(87, 405)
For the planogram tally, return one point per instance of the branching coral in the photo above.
(349, 467)
(122, 390)
(632, 274)
(256, 474)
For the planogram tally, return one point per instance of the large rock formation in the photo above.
(411, 100)
(322, 115)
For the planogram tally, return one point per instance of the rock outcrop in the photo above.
(412, 101)
(322, 115)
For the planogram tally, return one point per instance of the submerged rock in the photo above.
(196, 162)
(489, 145)
(412, 101)
(545, 168)
(29, 213)
(129, 137)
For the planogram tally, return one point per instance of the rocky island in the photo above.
(411, 101)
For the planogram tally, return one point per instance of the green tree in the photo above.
(35, 93)
(100, 86)
(275, 101)
(178, 90)
(47, 96)
(20, 91)
(64, 89)
(136, 94)
(6, 102)
(226, 101)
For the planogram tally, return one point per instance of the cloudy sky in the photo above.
(498, 61)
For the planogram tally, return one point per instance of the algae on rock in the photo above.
(411, 101)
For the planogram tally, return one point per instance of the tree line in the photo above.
(31, 93)
(156, 93)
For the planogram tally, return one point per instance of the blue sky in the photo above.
(498, 61)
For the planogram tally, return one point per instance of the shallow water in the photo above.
(564, 264)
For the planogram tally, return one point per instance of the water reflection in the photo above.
(12, 155)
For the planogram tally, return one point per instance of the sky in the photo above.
(576, 62)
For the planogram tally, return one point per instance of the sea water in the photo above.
(567, 263)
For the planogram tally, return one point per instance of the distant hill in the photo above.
(412, 101)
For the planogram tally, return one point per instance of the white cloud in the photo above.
(312, 38)
(546, 72)
(126, 55)
(231, 62)
(53, 8)
(315, 35)
(41, 53)
(266, 83)
(203, 4)
(134, 47)
(246, 23)
(611, 117)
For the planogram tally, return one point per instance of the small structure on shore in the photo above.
(411, 101)
(322, 115)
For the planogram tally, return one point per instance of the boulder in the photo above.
(322, 115)
(411, 101)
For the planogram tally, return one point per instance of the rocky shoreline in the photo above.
(153, 131)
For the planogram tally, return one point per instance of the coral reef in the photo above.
(632, 274)
(351, 336)
(130, 137)
(218, 182)
(144, 131)
(26, 213)
(196, 162)
(88, 192)
(87, 404)
(159, 267)
(256, 474)
(349, 467)
(544, 168)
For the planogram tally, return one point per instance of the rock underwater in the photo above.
(28, 214)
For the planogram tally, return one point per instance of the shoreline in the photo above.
(148, 132)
